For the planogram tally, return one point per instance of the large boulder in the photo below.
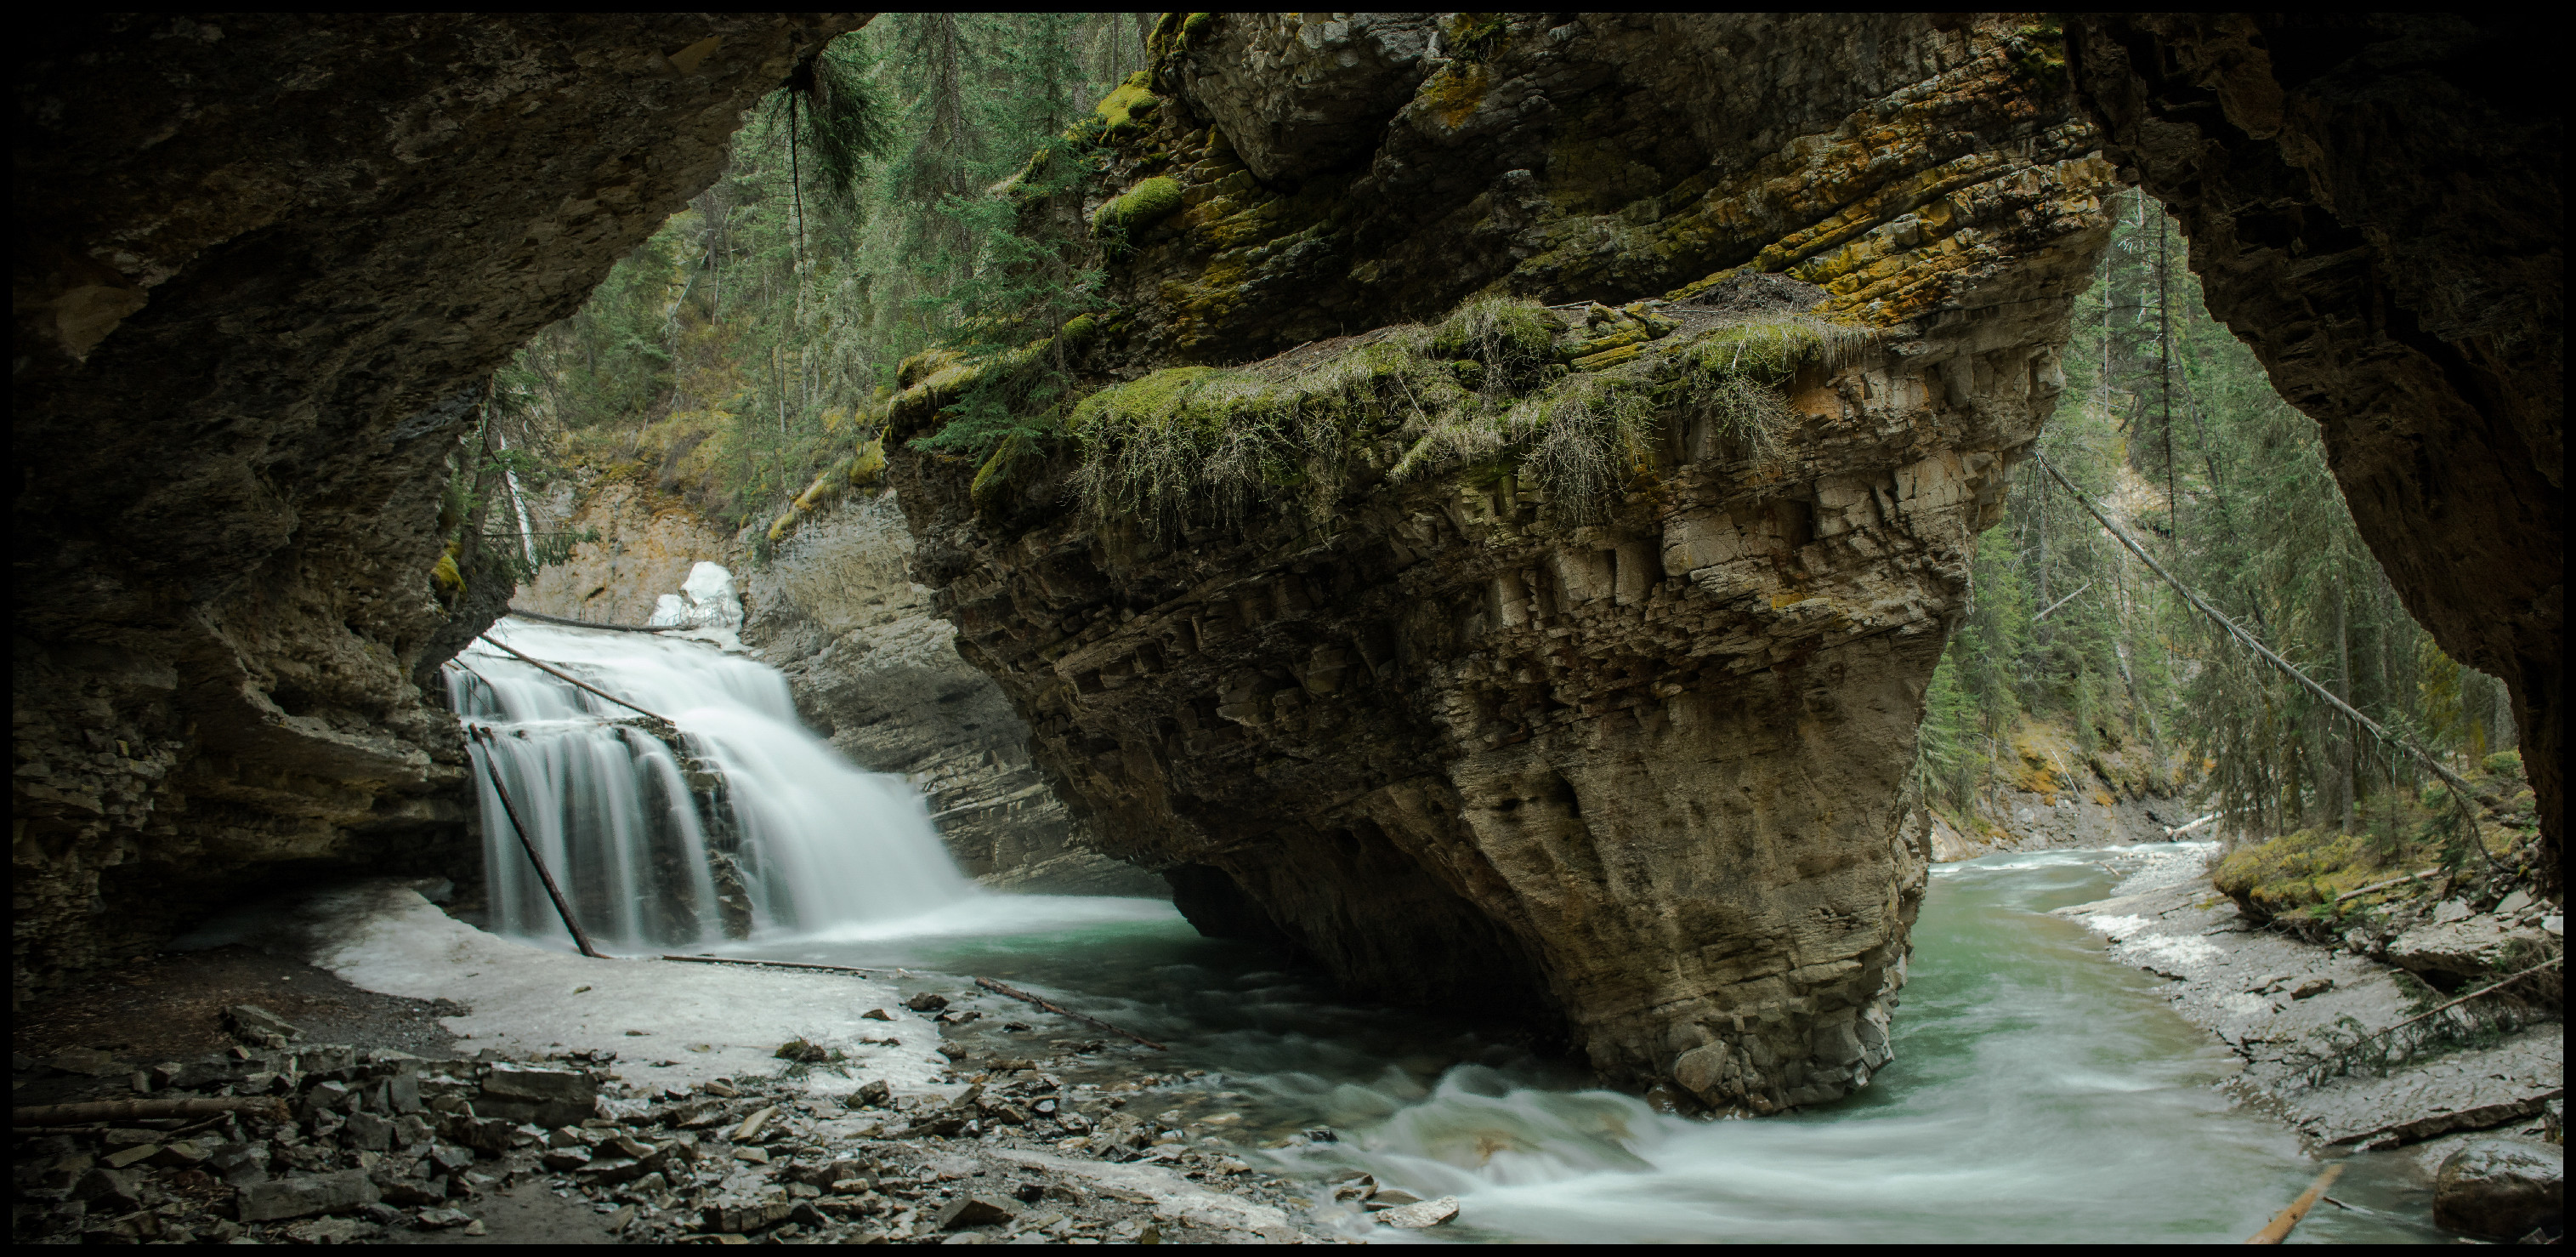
(2501, 1188)
(1636, 770)
(2451, 954)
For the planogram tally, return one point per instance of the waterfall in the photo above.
(740, 825)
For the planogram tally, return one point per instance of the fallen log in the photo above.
(1061, 1011)
(542, 618)
(528, 841)
(2394, 881)
(2278, 1229)
(568, 678)
(775, 964)
(2484, 990)
(2177, 831)
(143, 1110)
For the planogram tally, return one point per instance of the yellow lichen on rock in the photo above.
(449, 582)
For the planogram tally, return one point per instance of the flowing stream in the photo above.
(2040, 1092)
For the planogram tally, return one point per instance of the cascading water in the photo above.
(740, 825)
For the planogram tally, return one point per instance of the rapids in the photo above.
(2040, 1093)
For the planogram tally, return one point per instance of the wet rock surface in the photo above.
(2501, 1188)
(2290, 1008)
(1641, 771)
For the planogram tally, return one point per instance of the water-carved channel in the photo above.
(2036, 1082)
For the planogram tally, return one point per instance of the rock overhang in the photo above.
(1640, 763)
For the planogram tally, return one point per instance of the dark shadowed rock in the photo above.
(2373, 203)
(262, 261)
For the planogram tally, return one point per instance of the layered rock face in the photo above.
(642, 547)
(1636, 762)
(877, 672)
(263, 263)
(2374, 205)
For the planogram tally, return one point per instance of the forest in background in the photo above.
(729, 361)
(2170, 424)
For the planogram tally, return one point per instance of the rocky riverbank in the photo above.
(538, 1123)
(2335, 1038)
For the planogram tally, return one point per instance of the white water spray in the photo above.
(749, 827)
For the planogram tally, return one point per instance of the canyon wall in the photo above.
(2373, 204)
(262, 264)
(1632, 766)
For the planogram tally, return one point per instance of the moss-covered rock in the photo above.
(1142, 206)
(2298, 872)
(1128, 109)
(868, 466)
(449, 582)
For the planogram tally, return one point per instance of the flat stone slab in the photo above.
(1172, 1196)
(2277, 1000)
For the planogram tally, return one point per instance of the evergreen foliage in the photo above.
(2169, 422)
(733, 358)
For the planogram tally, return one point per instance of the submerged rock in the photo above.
(2502, 1188)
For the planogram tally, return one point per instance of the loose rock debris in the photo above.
(365, 1144)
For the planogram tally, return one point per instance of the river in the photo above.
(2041, 1092)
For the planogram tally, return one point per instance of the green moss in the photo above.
(2298, 872)
(1767, 350)
(1514, 340)
(996, 473)
(1128, 109)
(1141, 207)
(1609, 357)
(922, 366)
(1483, 388)
(1175, 33)
(1453, 94)
(1472, 35)
(2038, 53)
(868, 466)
